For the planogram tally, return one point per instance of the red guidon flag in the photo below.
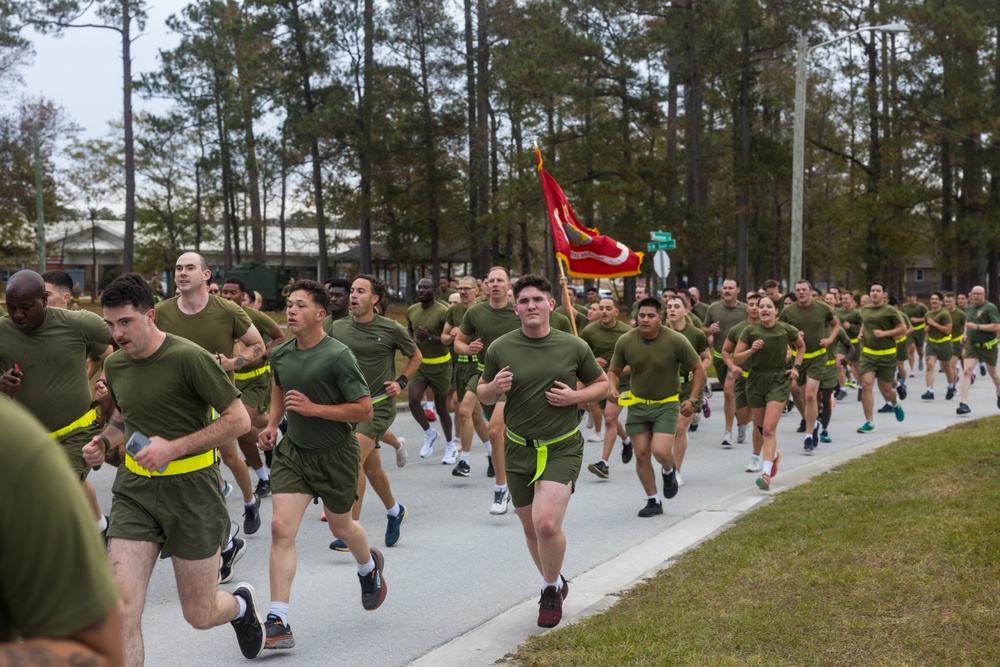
(587, 254)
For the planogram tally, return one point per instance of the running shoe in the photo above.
(824, 436)
(927, 395)
(802, 426)
(860, 392)
(450, 454)
(670, 485)
(490, 471)
(249, 630)
(901, 390)
(789, 405)
(741, 433)
(692, 427)
(886, 409)
(392, 529)
(549, 608)
(596, 437)
(373, 586)
(840, 394)
(706, 409)
(401, 453)
(461, 469)
(920, 365)
(808, 444)
(590, 420)
(626, 451)
(431, 417)
(774, 464)
(680, 480)
(230, 558)
(652, 508)
(279, 635)
(998, 401)
(430, 437)
(227, 489)
(727, 439)
(764, 482)
(755, 464)
(950, 394)
(501, 502)
(600, 469)
(339, 545)
(867, 427)
(251, 517)
(899, 412)
(263, 489)
(982, 369)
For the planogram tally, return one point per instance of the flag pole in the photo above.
(566, 305)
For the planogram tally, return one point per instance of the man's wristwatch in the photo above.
(401, 381)
(797, 367)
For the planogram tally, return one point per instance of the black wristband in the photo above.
(401, 381)
(107, 443)
(797, 367)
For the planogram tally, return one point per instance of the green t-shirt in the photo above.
(701, 310)
(850, 321)
(941, 317)
(326, 373)
(726, 317)
(773, 356)
(558, 321)
(54, 574)
(171, 393)
(374, 345)
(434, 319)
(215, 328)
(263, 323)
(657, 364)
(537, 363)
(813, 321)
(487, 323)
(917, 310)
(984, 314)
(695, 336)
(842, 339)
(734, 332)
(884, 318)
(53, 363)
(455, 314)
(579, 315)
(602, 340)
(957, 323)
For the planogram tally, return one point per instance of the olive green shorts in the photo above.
(383, 414)
(814, 368)
(655, 418)
(562, 465)
(830, 380)
(957, 346)
(72, 445)
(855, 351)
(901, 353)
(988, 357)
(256, 392)
(943, 351)
(185, 514)
(461, 375)
(330, 474)
(740, 392)
(721, 370)
(437, 377)
(685, 393)
(767, 387)
(883, 365)
(918, 337)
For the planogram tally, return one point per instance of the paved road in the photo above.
(459, 572)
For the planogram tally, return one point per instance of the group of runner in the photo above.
(512, 368)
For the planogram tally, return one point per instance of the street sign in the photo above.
(661, 263)
(653, 246)
(659, 236)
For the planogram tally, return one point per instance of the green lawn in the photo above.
(892, 559)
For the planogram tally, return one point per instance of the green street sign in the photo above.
(659, 236)
(653, 246)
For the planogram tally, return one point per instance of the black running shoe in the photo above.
(251, 517)
(279, 635)
(600, 469)
(950, 394)
(490, 472)
(963, 409)
(626, 452)
(461, 469)
(652, 508)
(670, 485)
(901, 390)
(263, 489)
(373, 587)
(885, 409)
(249, 631)
(802, 426)
(230, 558)
(550, 608)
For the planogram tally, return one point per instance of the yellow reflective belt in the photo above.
(178, 467)
(939, 340)
(918, 327)
(480, 367)
(628, 398)
(86, 420)
(900, 339)
(746, 374)
(988, 345)
(717, 355)
(854, 341)
(437, 360)
(541, 446)
(464, 358)
(813, 355)
(380, 399)
(255, 373)
(831, 362)
(879, 353)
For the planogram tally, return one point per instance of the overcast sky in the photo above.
(82, 70)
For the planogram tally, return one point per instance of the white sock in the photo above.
(262, 473)
(394, 510)
(364, 569)
(768, 467)
(229, 545)
(930, 390)
(653, 497)
(604, 462)
(243, 607)
(102, 524)
(279, 609)
(489, 448)
(755, 457)
(428, 432)
(627, 441)
(464, 456)
(251, 503)
(499, 488)
(557, 584)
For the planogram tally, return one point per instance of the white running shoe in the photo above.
(595, 437)
(501, 500)
(450, 454)
(680, 480)
(741, 433)
(590, 420)
(430, 437)
(401, 453)
(727, 439)
(755, 464)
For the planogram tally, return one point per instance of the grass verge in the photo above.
(891, 559)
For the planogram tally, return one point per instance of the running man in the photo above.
(425, 322)
(657, 357)
(539, 369)
(957, 331)
(374, 340)
(719, 318)
(881, 326)
(917, 312)
(166, 498)
(982, 321)
(744, 414)
(318, 385)
(939, 349)
(850, 321)
(677, 319)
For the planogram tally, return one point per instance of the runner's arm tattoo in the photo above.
(254, 351)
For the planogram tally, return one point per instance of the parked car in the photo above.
(604, 292)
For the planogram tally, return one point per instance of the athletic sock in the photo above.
(557, 584)
(489, 448)
(429, 431)
(768, 467)
(102, 524)
(394, 510)
(243, 607)
(930, 390)
(627, 441)
(230, 544)
(251, 503)
(364, 569)
(653, 497)
(497, 487)
(280, 609)
(262, 474)
(604, 462)
(464, 456)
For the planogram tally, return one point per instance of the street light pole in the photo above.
(799, 141)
